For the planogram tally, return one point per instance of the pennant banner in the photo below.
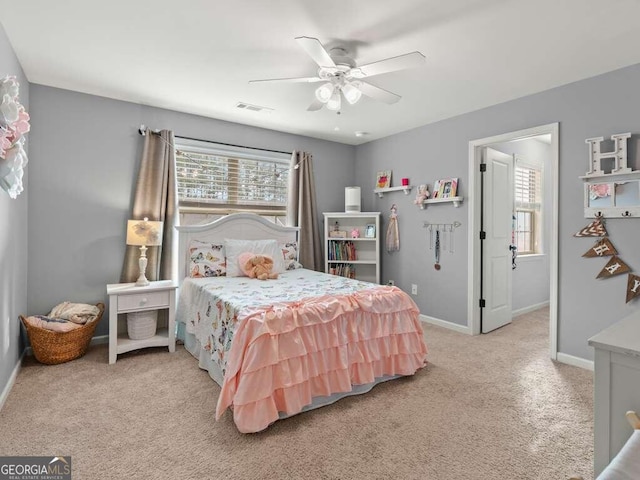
(594, 229)
(633, 287)
(613, 268)
(602, 248)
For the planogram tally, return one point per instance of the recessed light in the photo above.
(337, 129)
(361, 134)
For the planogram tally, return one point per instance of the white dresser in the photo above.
(616, 386)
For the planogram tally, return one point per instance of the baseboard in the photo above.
(445, 324)
(99, 340)
(530, 308)
(575, 361)
(12, 379)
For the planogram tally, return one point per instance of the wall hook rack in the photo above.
(441, 226)
(447, 235)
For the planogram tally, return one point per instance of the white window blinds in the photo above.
(527, 193)
(528, 207)
(224, 178)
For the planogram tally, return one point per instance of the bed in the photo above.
(282, 346)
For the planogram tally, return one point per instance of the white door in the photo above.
(496, 253)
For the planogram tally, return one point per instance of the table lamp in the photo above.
(143, 233)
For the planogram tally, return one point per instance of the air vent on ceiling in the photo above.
(253, 108)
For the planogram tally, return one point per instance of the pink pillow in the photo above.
(244, 257)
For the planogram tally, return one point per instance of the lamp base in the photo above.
(142, 264)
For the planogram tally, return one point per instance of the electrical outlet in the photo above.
(414, 289)
(391, 283)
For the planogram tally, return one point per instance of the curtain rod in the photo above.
(142, 131)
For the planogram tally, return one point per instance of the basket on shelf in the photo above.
(58, 347)
(142, 325)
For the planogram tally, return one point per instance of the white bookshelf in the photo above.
(367, 249)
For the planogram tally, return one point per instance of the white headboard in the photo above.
(245, 226)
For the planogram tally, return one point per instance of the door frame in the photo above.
(473, 288)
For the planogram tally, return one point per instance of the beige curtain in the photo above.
(156, 198)
(302, 211)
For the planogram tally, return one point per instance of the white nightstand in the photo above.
(125, 298)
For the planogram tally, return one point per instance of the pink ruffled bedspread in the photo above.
(284, 355)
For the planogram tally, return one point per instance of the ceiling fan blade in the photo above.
(316, 105)
(409, 60)
(290, 80)
(377, 93)
(316, 51)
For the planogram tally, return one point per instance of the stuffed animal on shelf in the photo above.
(421, 195)
(355, 233)
(260, 267)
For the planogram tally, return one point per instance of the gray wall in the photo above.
(531, 278)
(600, 106)
(85, 152)
(13, 241)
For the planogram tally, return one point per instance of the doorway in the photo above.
(477, 257)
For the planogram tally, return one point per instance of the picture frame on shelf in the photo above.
(445, 188)
(370, 231)
(435, 193)
(449, 188)
(383, 179)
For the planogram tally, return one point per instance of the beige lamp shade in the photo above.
(144, 232)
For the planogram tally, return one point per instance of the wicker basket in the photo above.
(58, 347)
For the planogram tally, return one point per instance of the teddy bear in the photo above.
(260, 267)
(421, 195)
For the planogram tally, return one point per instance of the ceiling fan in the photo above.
(341, 75)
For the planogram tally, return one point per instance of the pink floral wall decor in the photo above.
(14, 124)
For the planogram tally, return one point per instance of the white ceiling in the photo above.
(197, 56)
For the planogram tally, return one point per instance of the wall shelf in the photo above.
(621, 198)
(382, 191)
(457, 201)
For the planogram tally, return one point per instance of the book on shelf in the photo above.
(342, 251)
(343, 270)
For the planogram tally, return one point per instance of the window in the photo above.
(528, 211)
(215, 180)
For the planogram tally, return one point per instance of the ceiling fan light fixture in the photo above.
(324, 92)
(334, 101)
(351, 93)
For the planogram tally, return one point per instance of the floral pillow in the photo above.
(206, 260)
(290, 254)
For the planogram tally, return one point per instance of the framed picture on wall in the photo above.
(383, 179)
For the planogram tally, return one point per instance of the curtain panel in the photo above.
(302, 211)
(155, 197)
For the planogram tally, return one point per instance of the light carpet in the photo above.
(486, 407)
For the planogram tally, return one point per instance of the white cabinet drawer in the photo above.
(143, 300)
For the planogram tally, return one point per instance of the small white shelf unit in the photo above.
(622, 199)
(367, 249)
(404, 188)
(457, 201)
